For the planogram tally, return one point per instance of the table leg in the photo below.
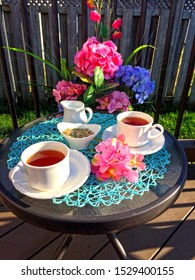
(61, 250)
(117, 246)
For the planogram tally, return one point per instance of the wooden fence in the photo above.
(35, 25)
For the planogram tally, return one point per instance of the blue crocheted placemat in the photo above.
(94, 192)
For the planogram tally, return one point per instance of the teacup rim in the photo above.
(48, 166)
(121, 115)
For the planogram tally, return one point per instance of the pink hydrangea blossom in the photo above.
(68, 90)
(104, 101)
(114, 160)
(94, 54)
(117, 100)
(95, 16)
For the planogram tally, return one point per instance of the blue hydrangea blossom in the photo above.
(138, 79)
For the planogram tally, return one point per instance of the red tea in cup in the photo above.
(47, 165)
(136, 121)
(45, 158)
(137, 128)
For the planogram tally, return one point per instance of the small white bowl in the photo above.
(78, 143)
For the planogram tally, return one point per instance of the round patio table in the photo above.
(101, 219)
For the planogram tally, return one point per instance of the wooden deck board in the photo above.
(24, 241)
(144, 242)
(169, 236)
(181, 245)
(8, 221)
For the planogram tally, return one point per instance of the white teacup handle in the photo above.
(21, 167)
(90, 111)
(160, 129)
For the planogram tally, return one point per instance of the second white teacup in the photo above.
(46, 164)
(137, 127)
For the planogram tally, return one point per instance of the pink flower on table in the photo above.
(95, 16)
(94, 54)
(117, 23)
(113, 160)
(68, 90)
(137, 161)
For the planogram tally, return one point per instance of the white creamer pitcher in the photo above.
(75, 111)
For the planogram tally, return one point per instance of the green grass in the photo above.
(187, 130)
(25, 113)
(168, 118)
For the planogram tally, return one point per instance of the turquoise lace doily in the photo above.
(94, 192)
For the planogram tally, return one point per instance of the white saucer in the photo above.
(79, 172)
(151, 147)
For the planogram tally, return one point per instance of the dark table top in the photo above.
(89, 219)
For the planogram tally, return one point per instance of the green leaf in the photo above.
(98, 77)
(108, 86)
(89, 96)
(64, 71)
(103, 31)
(35, 56)
(84, 78)
(136, 51)
(131, 108)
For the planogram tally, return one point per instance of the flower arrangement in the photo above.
(100, 76)
(114, 160)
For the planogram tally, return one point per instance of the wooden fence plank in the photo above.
(1, 84)
(146, 38)
(36, 46)
(22, 78)
(175, 60)
(46, 46)
(176, 45)
(63, 30)
(7, 36)
(90, 25)
(185, 61)
(191, 102)
(2, 87)
(127, 33)
(71, 30)
(160, 45)
(107, 19)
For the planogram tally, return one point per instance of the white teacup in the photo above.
(75, 111)
(138, 128)
(46, 164)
